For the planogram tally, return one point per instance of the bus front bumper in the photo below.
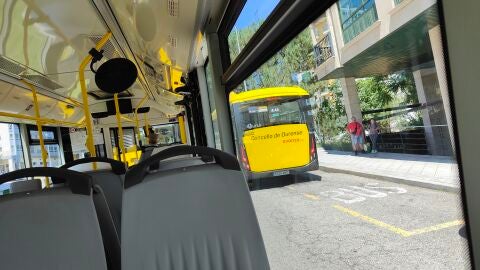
(312, 166)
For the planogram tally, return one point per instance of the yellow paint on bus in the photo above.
(277, 147)
(291, 91)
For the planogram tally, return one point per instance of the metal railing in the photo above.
(360, 20)
(323, 50)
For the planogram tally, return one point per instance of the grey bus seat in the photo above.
(150, 150)
(146, 151)
(196, 217)
(109, 175)
(25, 185)
(54, 228)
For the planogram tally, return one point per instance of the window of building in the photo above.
(356, 16)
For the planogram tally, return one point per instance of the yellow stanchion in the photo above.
(120, 129)
(39, 129)
(147, 132)
(83, 86)
(183, 133)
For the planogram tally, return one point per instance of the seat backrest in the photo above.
(194, 217)
(54, 228)
(146, 153)
(25, 185)
(109, 175)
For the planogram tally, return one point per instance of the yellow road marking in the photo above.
(437, 227)
(311, 197)
(398, 230)
(373, 221)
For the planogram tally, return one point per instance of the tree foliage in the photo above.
(380, 91)
(296, 59)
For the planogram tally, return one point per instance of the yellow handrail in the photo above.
(86, 109)
(120, 129)
(39, 129)
(41, 120)
(127, 118)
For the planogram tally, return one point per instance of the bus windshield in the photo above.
(270, 112)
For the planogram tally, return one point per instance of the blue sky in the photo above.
(255, 10)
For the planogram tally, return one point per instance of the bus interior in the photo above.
(130, 137)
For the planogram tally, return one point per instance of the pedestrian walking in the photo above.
(355, 129)
(374, 130)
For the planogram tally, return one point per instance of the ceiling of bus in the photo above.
(44, 41)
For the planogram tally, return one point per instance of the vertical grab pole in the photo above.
(147, 132)
(83, 86)
(39, 128)
(137, 128)
(120, 129)
(183, 133)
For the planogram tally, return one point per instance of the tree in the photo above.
(296, 57)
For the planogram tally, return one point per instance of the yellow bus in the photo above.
(274, 131)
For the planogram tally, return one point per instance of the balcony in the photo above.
(360, 20)
(323, 50)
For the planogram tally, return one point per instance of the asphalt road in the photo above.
(350, 222)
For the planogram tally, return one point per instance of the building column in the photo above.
(438, 57)
(427, 123)
(350, 98)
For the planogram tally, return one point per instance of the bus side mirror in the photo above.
(116, 75)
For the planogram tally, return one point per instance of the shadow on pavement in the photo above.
(285, 180)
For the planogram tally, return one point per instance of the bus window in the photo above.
(50, 137)
(253, 15)
(11, 151)
(167, 133)
(132, 154)
(213, 111)
(376, 103)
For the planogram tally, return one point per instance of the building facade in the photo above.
(362, 38)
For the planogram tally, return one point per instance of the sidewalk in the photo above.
(436, 172)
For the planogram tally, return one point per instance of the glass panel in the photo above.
(356, 16)
(380, 110)
(54, 158)
(47, 135)
(213, 111)
(251, 18)
(11, 151)
(167, 133)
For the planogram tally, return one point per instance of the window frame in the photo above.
(32, 141)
